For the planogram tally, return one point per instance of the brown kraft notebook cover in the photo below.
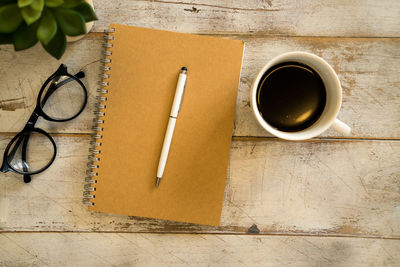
(142, 76)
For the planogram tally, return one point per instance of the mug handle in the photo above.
(341, 127)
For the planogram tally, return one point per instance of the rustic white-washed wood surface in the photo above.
(328, 201)
(358, 18)
(124, 249)
(367, 67)
(320, 187)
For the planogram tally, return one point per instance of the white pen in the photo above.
(180, 88)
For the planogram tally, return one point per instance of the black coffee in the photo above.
(291, 96)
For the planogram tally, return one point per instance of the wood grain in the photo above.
(367, 69)
(286, 203)
(91, 249)
(355, 18)
(334, 188)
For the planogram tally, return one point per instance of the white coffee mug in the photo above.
(333, 89)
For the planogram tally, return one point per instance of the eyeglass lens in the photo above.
(30, 152)
(62, 98)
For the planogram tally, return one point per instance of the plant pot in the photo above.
(89, 26)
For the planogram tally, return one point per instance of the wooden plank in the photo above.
(91, 249)
(312, 188)
(367, 69)
(301, 18)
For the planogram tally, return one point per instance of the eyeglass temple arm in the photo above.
(15, 147)
(25, 139)
(27, 177)
(12, 152)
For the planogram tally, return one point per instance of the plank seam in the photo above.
(264, 34)
(205, 233)
(247, 138)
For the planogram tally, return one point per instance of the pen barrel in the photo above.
(165, 148)
(180, 89)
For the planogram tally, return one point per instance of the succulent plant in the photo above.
(25, 22)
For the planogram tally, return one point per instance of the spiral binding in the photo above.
(92, 174)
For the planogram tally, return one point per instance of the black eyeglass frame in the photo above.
(29, 127)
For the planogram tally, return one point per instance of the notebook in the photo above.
(141, 71)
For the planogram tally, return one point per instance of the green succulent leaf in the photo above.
(47, 27)
(37, 5)
(53, 3)
(10, 18)
(30, 15)
(86, 11)
(70, 21)
(56, 47)
(25, 36)
(22, 3)
(71, 3)
(6, 38)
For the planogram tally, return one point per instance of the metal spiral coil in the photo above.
(93, 166)
(101, 90)
(99, 113)
(98, 129)
(90, 180)
(94, 151)
(92, 158)
(109, 37)
(94, 143)
(101, 99)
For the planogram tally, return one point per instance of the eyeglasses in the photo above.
(61, 98)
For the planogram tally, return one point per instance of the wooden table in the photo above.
(327, 201)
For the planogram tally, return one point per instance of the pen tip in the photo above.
(158, 182)
(184, 68)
